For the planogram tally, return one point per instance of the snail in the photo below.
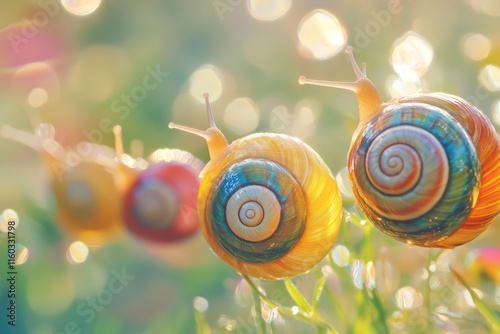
(89, 203)
(485, 261)
(160, 203)
(424, 168)
(268, 205)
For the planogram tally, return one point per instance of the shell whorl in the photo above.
(89, 203)
(269, 206)
(487, 144)
(160, 205)
(415, 172)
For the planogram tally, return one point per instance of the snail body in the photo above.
(88, 201)
(159, 195)
(424, 168)
(268, 205)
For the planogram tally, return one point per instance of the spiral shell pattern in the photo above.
(487, 143)
(415, 172)
(160, 206)
(269, 206)
(89, 203)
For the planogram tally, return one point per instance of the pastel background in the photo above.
(84, 66)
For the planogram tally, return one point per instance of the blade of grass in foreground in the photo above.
(296, 312)
(201, 324)
(257, 305)
(490, 317)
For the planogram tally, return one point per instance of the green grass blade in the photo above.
(297, 297)
(282, 309)
(201, 324)
(257, 305)
(490, 317)
(318, 291)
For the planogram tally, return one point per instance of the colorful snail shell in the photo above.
(424, 168)
(268, 205)
(160, 203)
(485, 261)
(89, 204)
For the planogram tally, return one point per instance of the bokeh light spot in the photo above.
(200, 304)
(241, 116)
(358, 273)
(304, 122)
(321, 34)
(488, 7)
(411, 56)
(370, 276)
(37, 97)
(496, 112)
(344, 184)
(9, 219)
(243, 293)
(398, 87)
(267, 10)
(77, 252)
(341, 255)
(489, 77)
(408, 298)
(206, 79)
(22, 254)
(476, 46)
(81, 7)
(269, 314)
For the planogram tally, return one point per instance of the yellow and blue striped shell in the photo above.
(269, 206)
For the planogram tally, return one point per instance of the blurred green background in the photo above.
(84, 66)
